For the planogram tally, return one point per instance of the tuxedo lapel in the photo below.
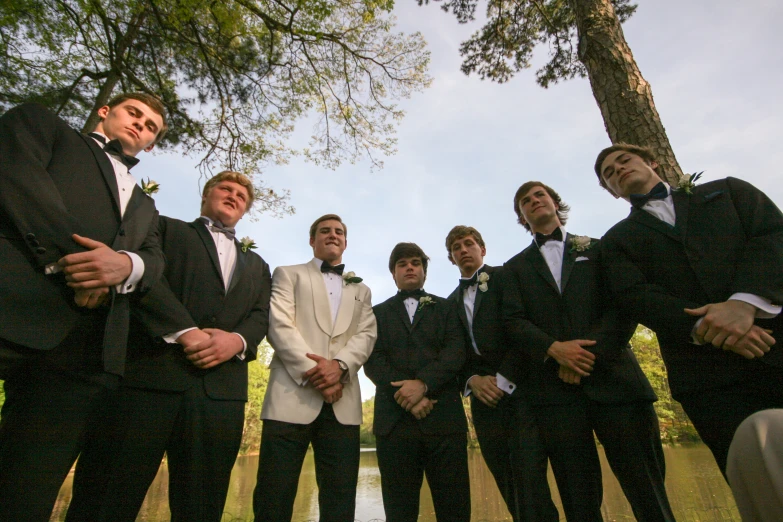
(323, 312)
(402, 312)
(106, 169)
(682, 203)
(137, 196)
(535, 258)
(239, 269)
(345, 313)
(420, 311)
(568, 263)
(645, 218)
(209, 244)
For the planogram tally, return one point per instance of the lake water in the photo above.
(696, 491)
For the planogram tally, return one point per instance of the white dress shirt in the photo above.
(334, 287)
(469, 301)
(663, 209)
(552, 252)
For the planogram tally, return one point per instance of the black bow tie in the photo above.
(467, 283)
(557, 235)
(416, 294)
(217, 226)
(659, 191)
(337, 269)
(114, 147)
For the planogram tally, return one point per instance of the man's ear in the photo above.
(149, 148)
(103, 112)
(312, 241)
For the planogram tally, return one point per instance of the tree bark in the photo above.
(623, 95)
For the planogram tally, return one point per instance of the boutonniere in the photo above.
(247, 244)
(150, 186)
(424, 301)
(482, 279)
(350, 278)
(688, 182)
(580, 243)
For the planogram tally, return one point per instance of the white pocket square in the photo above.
(581, 258)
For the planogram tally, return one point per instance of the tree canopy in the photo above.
(235, 75)
(584, 38)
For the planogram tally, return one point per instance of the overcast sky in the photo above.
(466, 145)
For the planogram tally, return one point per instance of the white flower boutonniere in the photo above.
(247, 244)
(688, 182)
(350, 278)
(482, 279)
(150, 186)
(424, 301)
(580, 243)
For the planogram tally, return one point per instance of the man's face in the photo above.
(329, 242)
(225, 202)
(409, 273)
(538, 208)
(132, 122)
(468, 255)
(626, 173)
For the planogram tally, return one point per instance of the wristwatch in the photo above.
(343, 365)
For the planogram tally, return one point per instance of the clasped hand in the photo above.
(325, 377)
(729, 325)
(485, 388)
(93, 272)
(575, 362)
(209, 347)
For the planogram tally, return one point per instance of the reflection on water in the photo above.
(696, 490)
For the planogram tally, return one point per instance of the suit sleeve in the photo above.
(255, 325)
(283, 335)
(29, 197)
(445, 368)
(523, 336)
(359, 347)
(378, 367)
(614, 330)
(640, 300)
(760, 266)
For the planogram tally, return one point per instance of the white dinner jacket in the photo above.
(300, 322)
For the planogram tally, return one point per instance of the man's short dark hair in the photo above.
(563, 208)
(645, 153)
(149, 100)
(459, 232)
(403, 250)
(327, 217)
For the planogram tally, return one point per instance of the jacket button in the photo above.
(34, 243)
(40, 251)
(334, 341)
(122, 232)
(29, 236)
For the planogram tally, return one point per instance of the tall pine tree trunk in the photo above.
(622, 94)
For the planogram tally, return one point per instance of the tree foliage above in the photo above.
(514, 28)
(235, 75)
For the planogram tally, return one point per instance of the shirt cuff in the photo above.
(765, 308)
(504, 384)
(695, 340)
(172, 337)
(241, 355)
(468, 391)
(137, 272)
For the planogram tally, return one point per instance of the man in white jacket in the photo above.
(322, 329)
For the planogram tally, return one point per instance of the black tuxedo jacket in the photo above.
(192, 293)
(537, 314)
(432, 349)
(727, 238)
(55, 182)
(488, 331)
